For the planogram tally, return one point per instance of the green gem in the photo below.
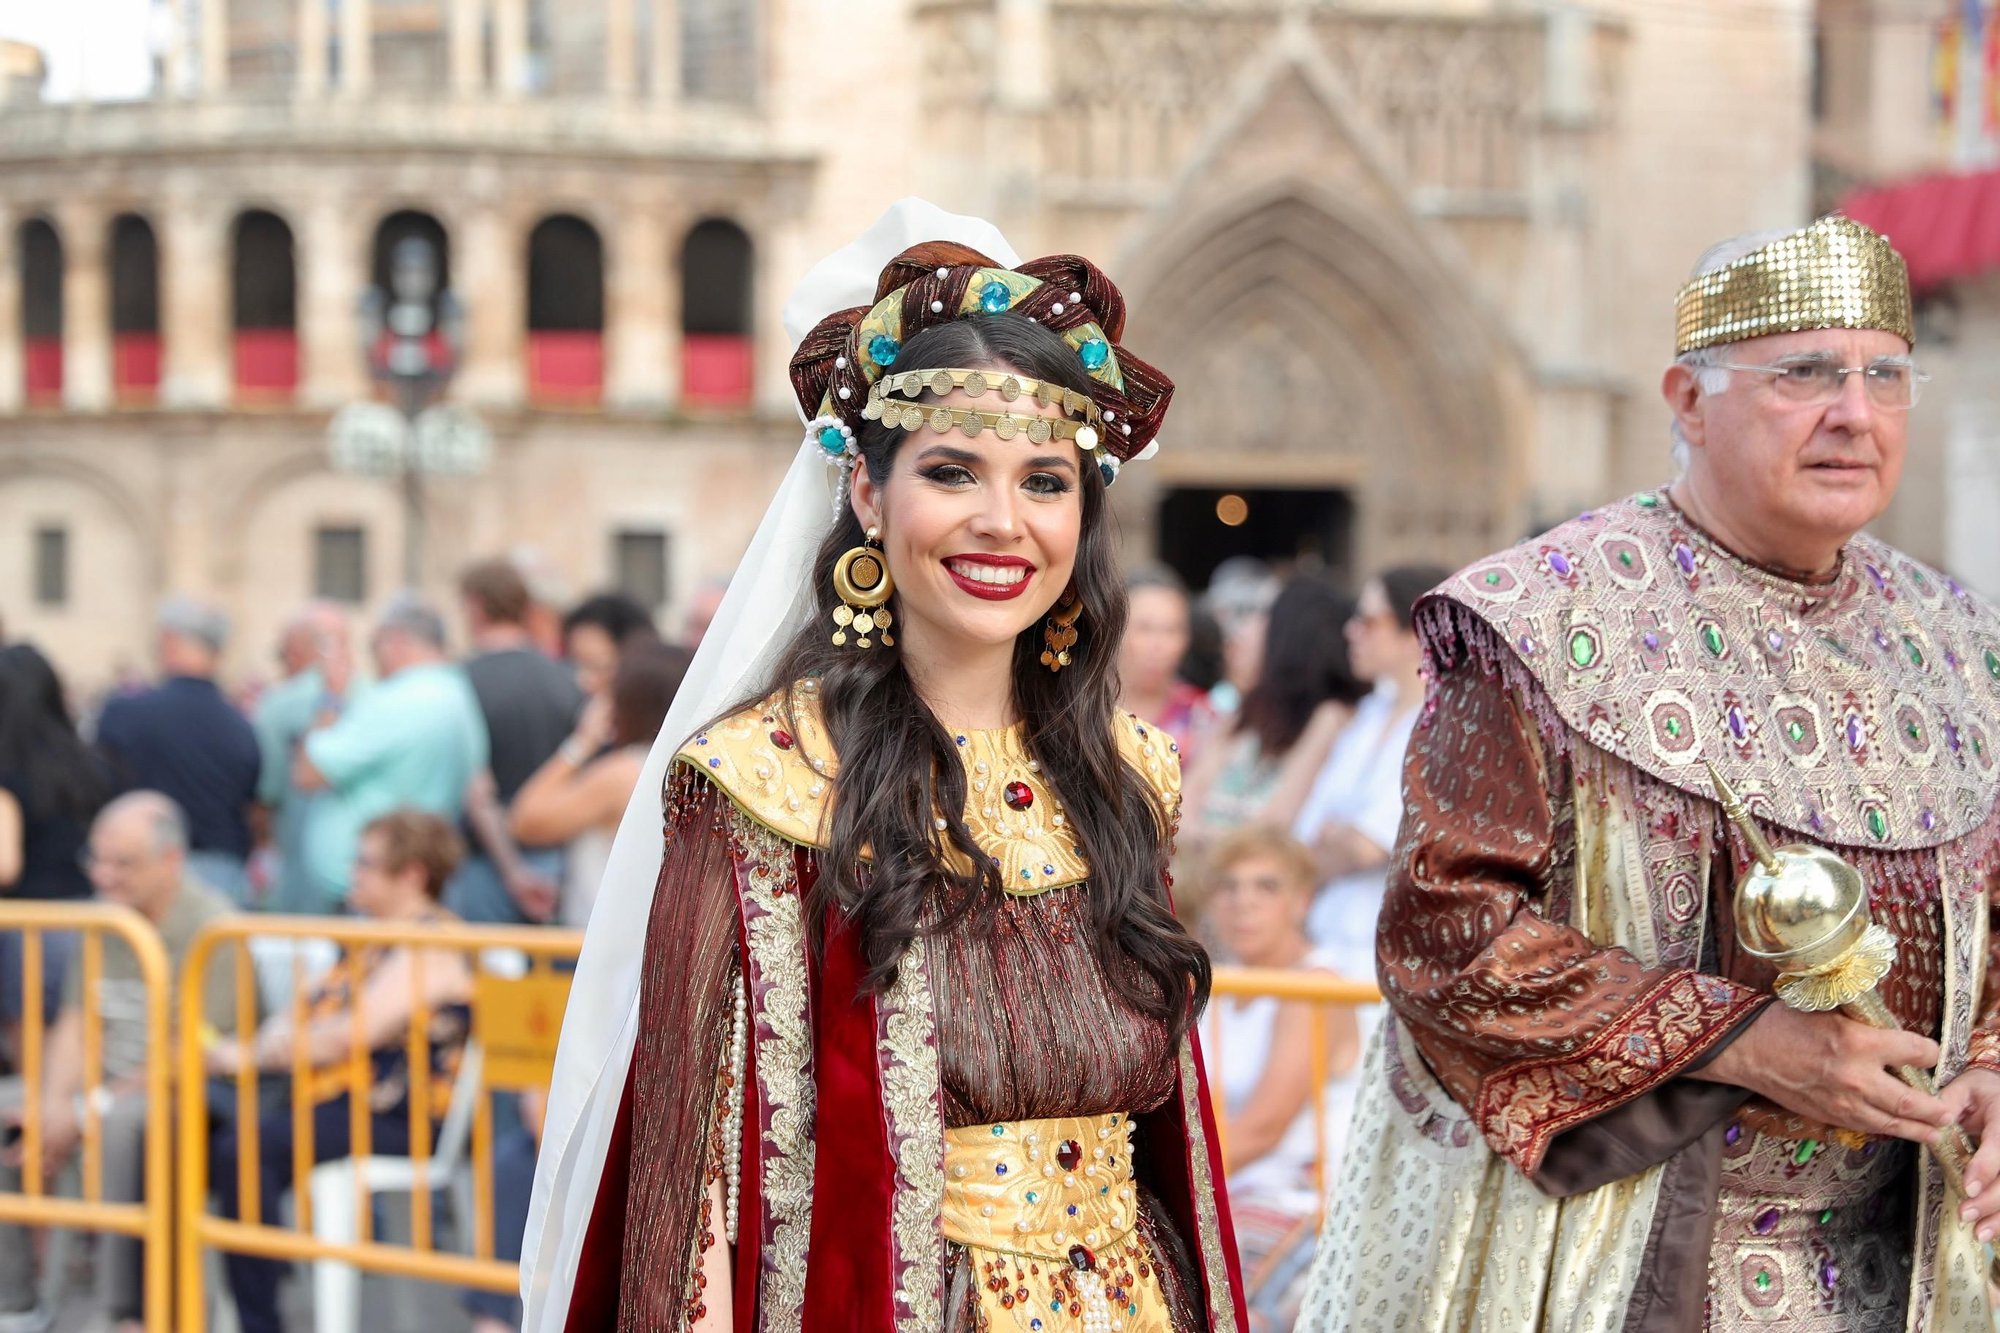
(1493, 579)
(1582, 649)
(1916, 653)
(1917, 576)
(1993, 664)
(1916, 732)
(1878, 823)
(1763, 1279)
(1674, 727)
(1806, 1148)
(1625, 559)
(1826, 1217)
(1796, 730)
(1711, 639)
(1978, 748)
(1646, 501)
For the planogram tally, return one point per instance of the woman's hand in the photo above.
(1973, 1098)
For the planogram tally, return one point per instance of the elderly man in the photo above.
(138, 859)
(416, 738)
(185, 739)
(1588, 1112)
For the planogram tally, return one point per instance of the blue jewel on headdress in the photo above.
(1107, 468)
(994, 298)
(1094, 352)
(883, 350)
(833, 441)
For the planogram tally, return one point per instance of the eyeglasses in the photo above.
(1892, 385)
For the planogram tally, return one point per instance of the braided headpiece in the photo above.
(849, 368)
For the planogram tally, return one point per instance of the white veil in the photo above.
(758, 615)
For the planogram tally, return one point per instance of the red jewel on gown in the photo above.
(1069, 1155)
(1018, 795)
(782, 739)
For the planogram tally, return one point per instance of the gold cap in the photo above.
(1835, 274)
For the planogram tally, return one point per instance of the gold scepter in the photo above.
(1804, 911)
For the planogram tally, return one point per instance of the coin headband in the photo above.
(1835, 274)
(977, 383)
(971, 421)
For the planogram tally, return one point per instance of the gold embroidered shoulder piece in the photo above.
(775, 763)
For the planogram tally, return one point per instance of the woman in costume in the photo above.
(901, 1036)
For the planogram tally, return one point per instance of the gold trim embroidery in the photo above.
(774, 928)
(1221, 1304)
(907, 1050)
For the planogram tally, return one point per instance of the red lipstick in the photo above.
(992, 591)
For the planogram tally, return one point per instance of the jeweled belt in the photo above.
(1049, 1216)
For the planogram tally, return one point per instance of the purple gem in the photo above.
(1868, 1148)
(1881, 640)
(1684, 557)
(1732, 1134)
(1956, 591)
(1951, 735)
(1559, 563)
(1854, 731)
(1736, 727)
(1527, 645)
(1927, 819)
(1829, 1273)
(1776, 640)
(1876, 574)
(1766, 1223)
(1585, 516)
(1818, 824)
(1951, 659)
(1652, 642)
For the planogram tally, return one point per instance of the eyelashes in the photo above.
(954, 475)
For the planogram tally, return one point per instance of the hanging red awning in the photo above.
(1948, 227)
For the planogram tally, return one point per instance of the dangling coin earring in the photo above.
(1060, 631)
(861, 581)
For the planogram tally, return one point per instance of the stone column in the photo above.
(621, 61)
(214, 47)
(663, 60)
(510, 46)
(639, 372)
(86, 310)
(333, 272)
(1022, 31)
(489, 270)
(357, 48)
(466, 75)
(10, 313)
(176, 55)
(194, 304)
(312, 48)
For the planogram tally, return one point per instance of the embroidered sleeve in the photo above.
(1530, 1025)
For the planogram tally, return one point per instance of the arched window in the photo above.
(715, 315)
(265, 301)
(135, 310)
(565, 312)
(411, 225)
(40, 254)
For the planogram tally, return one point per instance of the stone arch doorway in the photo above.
(1318, 347)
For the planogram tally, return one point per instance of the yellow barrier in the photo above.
(515, 1020)
(1322, 991)
(149, 1218)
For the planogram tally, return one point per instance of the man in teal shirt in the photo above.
(318, 661)
(416, 739)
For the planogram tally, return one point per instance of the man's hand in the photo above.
(1834, 1070)
(1974, 1101)
(536, 894)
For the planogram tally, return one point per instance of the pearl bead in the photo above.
(986, 1211)
(1069, 1182)
(845, 391)
(937, 307)
(1109, 415)
(944, 273)
(942, 824)
(958, 1171)
(840, 363)
(1075, 297)
(1056, 309)
(1127, 428)
(1021, 1225)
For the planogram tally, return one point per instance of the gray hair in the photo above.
(1706, 362)
(411, 614)
(167, 823)
(196, 620)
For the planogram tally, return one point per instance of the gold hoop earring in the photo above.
(1060, 631)
(861, 581)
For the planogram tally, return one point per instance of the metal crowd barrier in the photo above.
(35, 1204)
(1322, 992)
(516, 1006)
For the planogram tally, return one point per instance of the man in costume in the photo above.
(1589, 1112)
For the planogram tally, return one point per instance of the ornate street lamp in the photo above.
(412, 338)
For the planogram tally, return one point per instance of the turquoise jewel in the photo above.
(998, 1130)
(1647, 501)
(994, 298)
(883, 350)
(1107, 468)
(833, 441)
(1094, 353)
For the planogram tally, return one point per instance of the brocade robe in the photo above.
(838, 1152)
(1559, 948)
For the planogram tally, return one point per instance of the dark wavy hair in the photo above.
(900, 768)
(1305, 663)
(39, 746)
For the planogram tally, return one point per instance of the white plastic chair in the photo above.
(337, 1286)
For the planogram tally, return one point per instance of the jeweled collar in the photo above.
(776, 764)
(1862, 712)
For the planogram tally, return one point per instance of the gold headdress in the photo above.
(1835, 274)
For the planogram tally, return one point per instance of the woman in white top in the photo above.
(580, 794)
(1350, 816)
(1261, 881)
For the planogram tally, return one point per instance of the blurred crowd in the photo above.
(399, 779)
